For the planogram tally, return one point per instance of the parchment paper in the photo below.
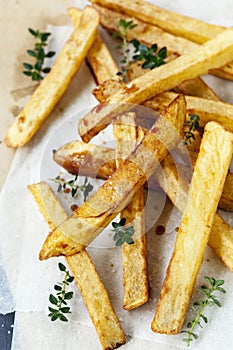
(23, 231)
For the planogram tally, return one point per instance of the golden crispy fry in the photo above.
(205, 191)
(226, 200)
(207, 110)
(80, 158)
(86, 159)
(134, 256)
(91, 287)
(177, 24)
(194, 87)
(99, 58)
(150, 34)
(176, 186)
(101, 208)
(54, 85)
(106, 89)
(197, 87)
(213, 53)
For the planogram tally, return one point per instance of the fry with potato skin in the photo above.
(54, 85)
(226, 200)
(180, 25)
(176, 185)
(91, 287)
(212, 54)
(73, 234)
(150, 34)
(205, 191)
(80, 158)
(193, 87)
(206, 109)
(99, 58)
(134, 256)
(218, 111)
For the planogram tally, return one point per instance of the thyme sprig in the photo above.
(199, 306)
(122, 234)
(191, 126)
(85, 188)
(37, 71)
(151, 56)
(61, 297)
(124, 48)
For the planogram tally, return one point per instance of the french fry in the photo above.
(80, 158)
(73, 234)
(91, 287)
(134, 256)
(99, 58)
(207, 110)
(212, 54)
(176, 186)
(226, 200)
(194, 87)
(54, 85)
(175, 23)
(150, 34)
(205, 191)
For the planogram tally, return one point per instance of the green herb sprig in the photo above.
(86, 188)
(150, 56)
(199, 306)
(193, 125)
(37, 70)
(61, 297)
(124, 48)
(122, 234)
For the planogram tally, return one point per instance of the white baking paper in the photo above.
(23, 231)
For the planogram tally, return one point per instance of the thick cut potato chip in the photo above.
(172, 22)
(134, 256)
(193, 87)
(194, 231)
(80, 158)
(212, 54)
(91, 287)
(218, 111)
(73, 234)
(176, 185)
(150, 34)
(54, 85)
(99, 58)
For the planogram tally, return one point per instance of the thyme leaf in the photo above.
(191, 126)
(37, 71)
(151, 56)
(200, 305)
(124, 48)
(73, 187)
(57, 312)
(122, 234)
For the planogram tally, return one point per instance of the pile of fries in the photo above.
(171, 92)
